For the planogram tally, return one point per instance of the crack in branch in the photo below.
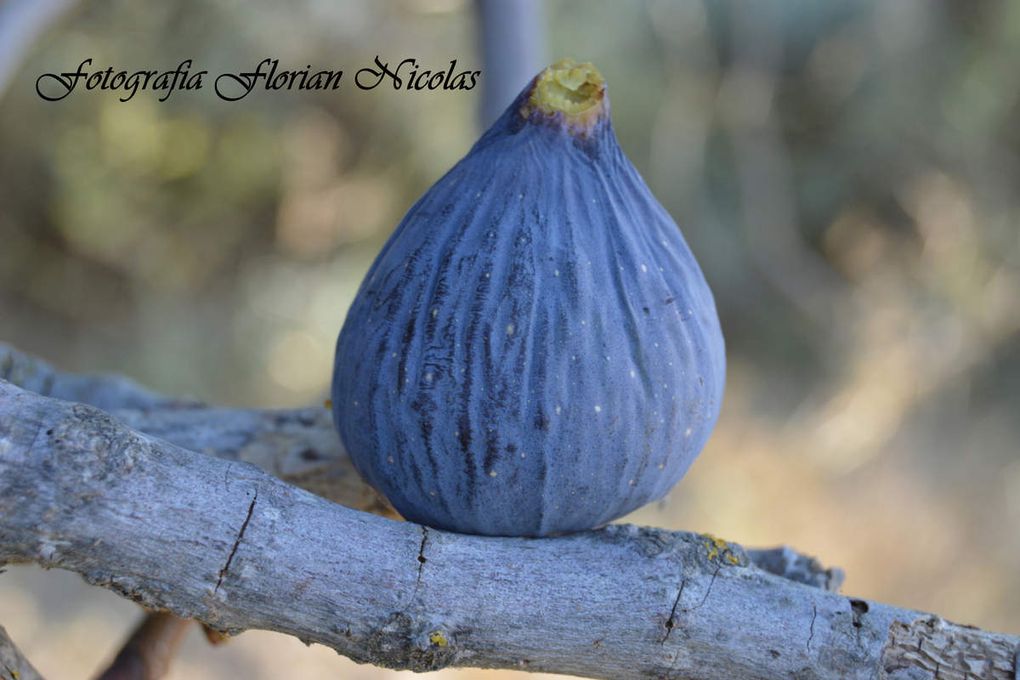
(671, 621)
(858, 608)
(237, 542)
(708, 591)
(35, 438)
(421, 555)
(811, 632)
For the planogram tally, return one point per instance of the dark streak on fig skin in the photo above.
(518, 327)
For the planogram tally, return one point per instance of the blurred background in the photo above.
(846, 173)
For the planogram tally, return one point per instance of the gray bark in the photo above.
(299, 446)
(107, 392)
(219, 540)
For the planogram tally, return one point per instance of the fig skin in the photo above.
(535, 350)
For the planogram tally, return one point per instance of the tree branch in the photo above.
(788, 563)
(108, 392)
(148, 653)
(299, 446)
(13, 665)
(221, 541)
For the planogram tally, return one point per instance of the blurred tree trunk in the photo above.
(512, 40)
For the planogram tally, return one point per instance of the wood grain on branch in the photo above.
(222, 541)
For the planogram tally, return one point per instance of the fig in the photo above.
(535, 350)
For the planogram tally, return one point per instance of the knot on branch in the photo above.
(406, 643)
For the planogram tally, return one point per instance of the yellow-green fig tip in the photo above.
(576, 91)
